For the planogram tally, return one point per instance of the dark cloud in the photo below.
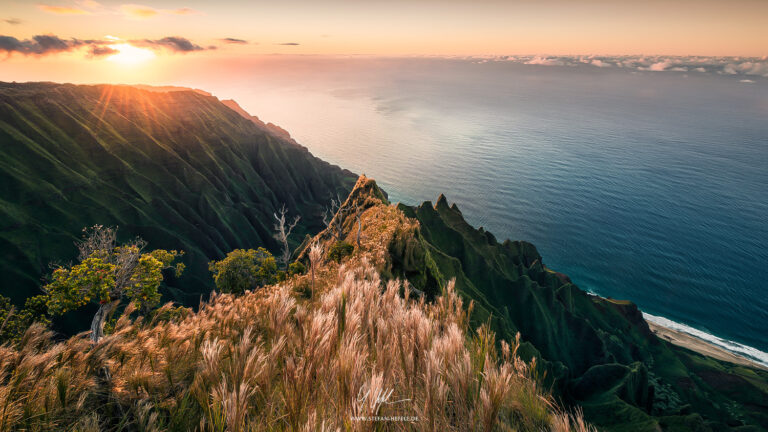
(51, 44)
(39, 45)
(12, 21)
(234, 41)
(289, 43)
(101, 51)
(173, 43)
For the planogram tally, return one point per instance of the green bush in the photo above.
(339, 250)
(14, 321)
(296, 268)
(244, 269)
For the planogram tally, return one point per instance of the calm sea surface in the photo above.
(648, 186)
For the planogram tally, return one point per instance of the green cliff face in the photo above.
(179, 169)
(597, 353)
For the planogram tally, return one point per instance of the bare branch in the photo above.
(282, 232)
(96, 238)
(334, 218)
(358, 217)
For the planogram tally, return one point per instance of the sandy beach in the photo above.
(703, 347)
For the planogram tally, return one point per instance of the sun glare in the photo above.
(129, 54)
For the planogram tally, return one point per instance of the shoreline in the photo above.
(691, 342)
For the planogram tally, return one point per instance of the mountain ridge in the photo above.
(185, 171)
(178, 168)
(597, 353)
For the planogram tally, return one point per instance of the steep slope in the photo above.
(267, 127)
(178, 168)
(597, 353)
(338, 349)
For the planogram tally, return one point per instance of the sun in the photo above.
(129, 54)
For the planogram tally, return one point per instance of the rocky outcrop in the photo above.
(596, 353)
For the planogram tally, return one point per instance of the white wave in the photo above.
(746, 351)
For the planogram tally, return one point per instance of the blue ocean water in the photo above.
(647, 186)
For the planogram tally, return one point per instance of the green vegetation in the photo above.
(296, 268)
(14, 322)
(243, 270)
(340, 250)
(274, 360)
(179, 169)
(106, 273)
(597, 353)
(187, 173)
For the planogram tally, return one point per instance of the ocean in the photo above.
(639, 184)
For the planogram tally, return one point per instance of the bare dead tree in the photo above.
(358, 217)
(282, 232)
(96, 238)
(333, 218)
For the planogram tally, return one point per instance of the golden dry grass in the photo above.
(354, 349)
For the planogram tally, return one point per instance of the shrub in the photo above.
(339, 250)
(106, 273)
(14, 322)
(296, 268)
(243, 269)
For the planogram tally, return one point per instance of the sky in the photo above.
(106, 41)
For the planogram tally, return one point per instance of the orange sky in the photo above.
(388, 28)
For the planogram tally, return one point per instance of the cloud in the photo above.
(289, 43)
(101, 51)
(658, 66)
(12, 21)
(234, 41)
(137, 11)
(746, 81)
(749, 68)
(183, 11)
(730, 69)
(39, 45)
(172, 43)
(736, 66)
(63, 10)
(545, 61)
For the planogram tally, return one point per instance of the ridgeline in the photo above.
(187, 172)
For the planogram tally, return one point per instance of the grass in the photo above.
(354, 345)
(270, 360)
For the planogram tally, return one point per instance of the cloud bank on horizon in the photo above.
(48, 44)
(42, 45)
(753, 66)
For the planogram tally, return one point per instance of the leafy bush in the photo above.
(14, 322)
(106, 273)
(244, 269)
(339, 250)
(296, 268)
